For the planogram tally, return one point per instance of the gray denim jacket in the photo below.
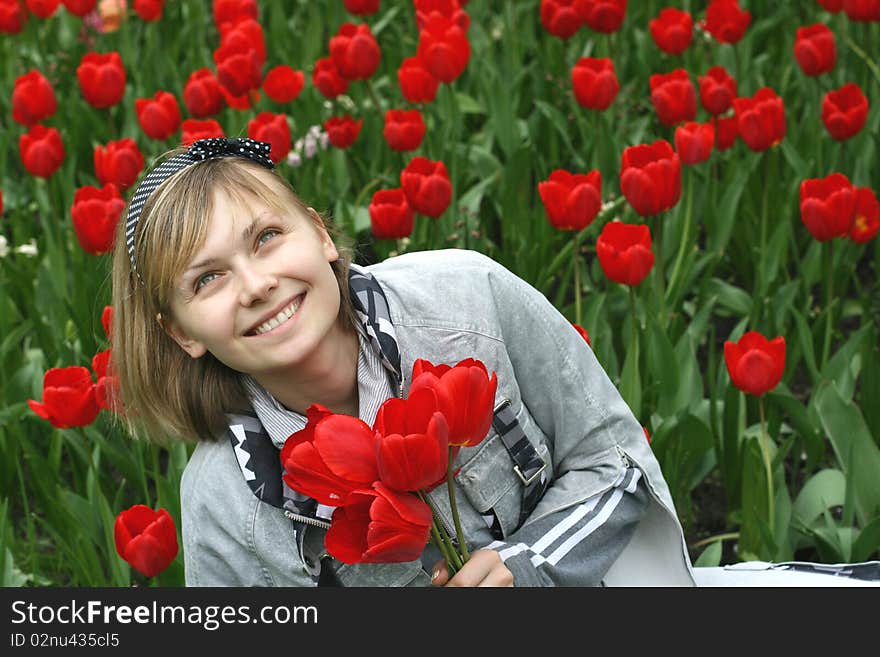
(446, 306)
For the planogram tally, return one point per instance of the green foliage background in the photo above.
(502, 127)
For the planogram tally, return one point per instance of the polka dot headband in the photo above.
(203, 149)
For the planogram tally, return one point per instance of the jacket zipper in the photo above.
(306, 520)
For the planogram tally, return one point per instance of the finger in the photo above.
(439, 574)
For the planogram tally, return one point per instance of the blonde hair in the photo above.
(163, 392)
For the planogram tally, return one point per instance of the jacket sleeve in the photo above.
(576, 546)
(596, 496)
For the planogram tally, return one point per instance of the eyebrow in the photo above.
(246, 235)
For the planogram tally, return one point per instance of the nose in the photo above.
(255, 284)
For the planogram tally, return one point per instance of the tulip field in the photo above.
(693, 184)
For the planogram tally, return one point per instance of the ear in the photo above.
(330, 251)
(193, 347)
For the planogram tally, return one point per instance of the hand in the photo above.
(484, 568)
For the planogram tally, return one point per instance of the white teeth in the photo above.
(280, 318)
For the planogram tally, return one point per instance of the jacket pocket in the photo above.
(492, 484)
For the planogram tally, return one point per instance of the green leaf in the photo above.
(630, 381)
(867, 545)
(849, 435)
(823, 490)
(468, 104)
(709, 557)
(664, 368)
(724, 219)
(729, 296)
(805, 340)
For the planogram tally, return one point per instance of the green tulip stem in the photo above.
(157, 470)
(829, 296)
(373, 97)
(656, 223)
(762, 269)
(685, 237)
(577, 279)
(765, 449)
(632, 309)
(450, 486)
(440, 539)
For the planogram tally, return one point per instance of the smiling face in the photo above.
(259, 293)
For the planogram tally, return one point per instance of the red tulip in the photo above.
(828, 206)
(33, 99)
(844, 111)
(274, 129)
(412, 447)
(583, 333)
(239, 68)
(594, 82)
(760, 119)
(624, 252)
(107, 387)
(833, 6)
(427, 187)
(13, 16)
(159, 116)
(107, 320)
(867, 220)
(230, 11)
(726, 21)
(604, 16)
(79, 8)
(68, 398)
(149, 10)
(717, 90)
(755, 364)
(726, 132)
(146, 539)
(379, 525)
(327, 79)
(195, 129)
(693, 142)
(361, 7)
(101, 79)
(95, 213)
(571, 201)
(451, 9)
(416, 82)
(119, 162)
(41, 150)
(443, 48)
(42, 8)
(332, 456)
(672, 30)
(674, 97)
(465, 396)
(243, 102)
(391, 216)
(650, 177)
(814, 49)
(283, 84)
(242, 35)
(202, 94)
(862, 10)
(355, 51)
(342, 131)
(560, 17)
(404, 129)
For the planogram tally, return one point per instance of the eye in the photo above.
(266, 235)
(204, 279)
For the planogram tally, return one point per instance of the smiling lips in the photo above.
(277, 320)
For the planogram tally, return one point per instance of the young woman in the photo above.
(235, 310)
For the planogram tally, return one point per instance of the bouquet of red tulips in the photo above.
(378, 477)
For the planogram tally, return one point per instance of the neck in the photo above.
(328, 378)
